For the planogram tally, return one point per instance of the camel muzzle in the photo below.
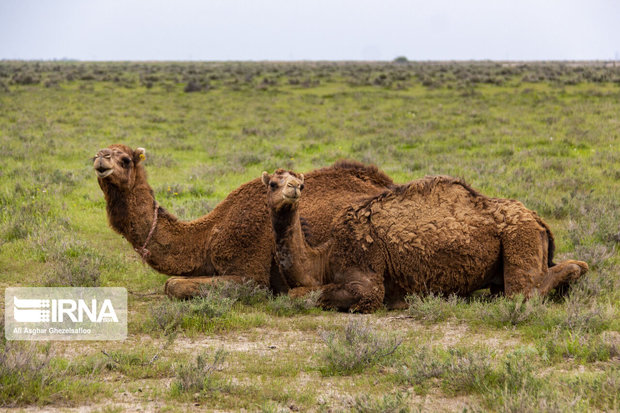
(101, 169)
(291, 195)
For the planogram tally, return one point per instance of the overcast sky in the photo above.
(310, 30)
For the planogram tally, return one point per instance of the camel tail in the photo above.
(551, 242)
(550, 262)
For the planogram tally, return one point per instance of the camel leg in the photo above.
(561, 274)
(525, 263)
(360, 292)
(187, 287)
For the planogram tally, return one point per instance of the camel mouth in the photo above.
(103, 172)
(291, 198)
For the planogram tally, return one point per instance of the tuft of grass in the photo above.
(73, 264)
(171, 315)
(561, 344)
(395, 402)
(284, 305)
(600, 389)
(25, 376)
(520, 389)
(210, 304)
(468, 370)
(423, 364)
(514, 310)
(138, 363)
(358, 348)
(200, 375)
(247, 293)
(167, 316)
(583, 315)
(431, 308)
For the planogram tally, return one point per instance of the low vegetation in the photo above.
(543, 133)
(358, 348)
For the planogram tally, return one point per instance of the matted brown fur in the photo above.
(433, 235)
(235, 240)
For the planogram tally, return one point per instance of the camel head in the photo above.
(117, 165)
(284, 188)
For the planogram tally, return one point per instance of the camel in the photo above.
(234, 242)
(432, 235)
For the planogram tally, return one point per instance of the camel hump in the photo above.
(433, 181)
(364, 172)
(430, 183)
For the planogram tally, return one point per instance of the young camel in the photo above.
(234, 241)
(433, 235)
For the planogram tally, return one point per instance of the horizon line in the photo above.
(394, 60)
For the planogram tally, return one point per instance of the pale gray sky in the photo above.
(310, 30)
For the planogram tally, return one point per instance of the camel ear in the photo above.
(266, 178)
(139, 155)
(301, 177)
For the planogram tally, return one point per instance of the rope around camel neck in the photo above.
(144, 253)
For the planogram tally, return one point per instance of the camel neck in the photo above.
(131, 213)
(300, 264)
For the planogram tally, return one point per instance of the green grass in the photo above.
(546, 134)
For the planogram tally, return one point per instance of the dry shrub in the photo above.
(284, 305)
(431, 308)
(514, 310)
(396, 402)
(420, 366)
(359, 348)
(199, 375)
(248, 292)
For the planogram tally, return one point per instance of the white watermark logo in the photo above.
(66, 313)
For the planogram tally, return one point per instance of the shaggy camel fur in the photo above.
(433, 235)
(234, 241)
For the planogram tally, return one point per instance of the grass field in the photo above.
(547, 134)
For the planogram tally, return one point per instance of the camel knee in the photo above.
(369, 298)
(358, 296)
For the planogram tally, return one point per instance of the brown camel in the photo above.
(234, 241)
(433, 235)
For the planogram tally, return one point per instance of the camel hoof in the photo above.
(580, 268)
(584, 267)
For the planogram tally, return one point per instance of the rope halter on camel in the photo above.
(144, 253)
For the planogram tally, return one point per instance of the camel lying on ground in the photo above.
(233, 242)
(433, 235)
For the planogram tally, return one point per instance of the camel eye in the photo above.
(126, 161)
(273, 185)
(301, 187)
